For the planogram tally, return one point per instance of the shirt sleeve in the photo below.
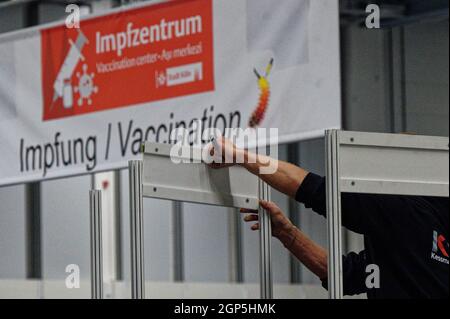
(366, 214)
(354, 274)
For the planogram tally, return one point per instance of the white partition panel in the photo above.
(393, 164)
(178, 173)
(374, 163)
(184, 177)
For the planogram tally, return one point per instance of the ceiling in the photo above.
(395, 12)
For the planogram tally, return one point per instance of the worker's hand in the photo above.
(280, 223)
(228, 153)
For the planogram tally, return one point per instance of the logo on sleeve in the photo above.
(440, 248)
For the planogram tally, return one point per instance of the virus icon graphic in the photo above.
(264, 96)
(86, 86)
(160, 79)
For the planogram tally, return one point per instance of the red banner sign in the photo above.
(142, 55)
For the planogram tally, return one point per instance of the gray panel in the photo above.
(65, 227)
(251, 254)
(12, 18)
(250, 239)
(157, 235)
(280, 255)
(428, 124)
(206, 243)
(12, 232)
(312, 158)
(365, 104)
(427, 78)
(51, 12)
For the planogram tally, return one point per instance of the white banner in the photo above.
(76, 101)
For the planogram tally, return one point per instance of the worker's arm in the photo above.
(310, 254)
(286, 177)
(313, 256)
(362, 213)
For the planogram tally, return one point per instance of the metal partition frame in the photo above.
(136, 230)
(265, 244)
(95, 201)
(205, 192)
(375, 163)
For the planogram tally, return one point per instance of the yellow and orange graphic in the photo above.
(264, 96)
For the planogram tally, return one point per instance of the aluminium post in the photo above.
(295, 271)
(177, 242)
(235, 264)
(265, 236)
(333, 196)
(95, 201)
(136, 230)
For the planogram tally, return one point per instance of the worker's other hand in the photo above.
(225, 153)
(280, 223)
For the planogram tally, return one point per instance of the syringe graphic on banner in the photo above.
(68, 67)
(263, 102)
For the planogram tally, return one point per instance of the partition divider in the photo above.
(335, 282)
(136, 230)
(95, 200)
(265, 236)
(136, 172)
(378, 163)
